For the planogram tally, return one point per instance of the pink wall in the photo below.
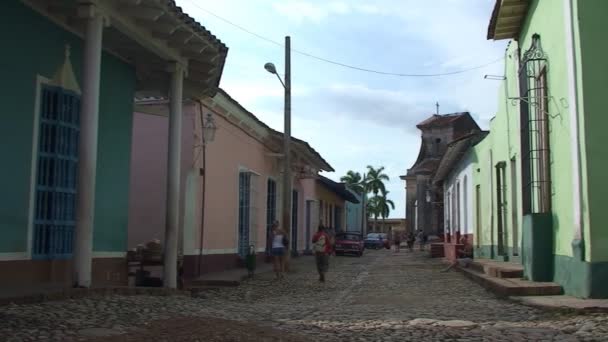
(232, 151)
(147, 193)
(307, 188)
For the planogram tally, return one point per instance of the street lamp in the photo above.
(286, 138)
(208, 130)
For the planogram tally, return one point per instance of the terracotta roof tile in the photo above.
(441, 120)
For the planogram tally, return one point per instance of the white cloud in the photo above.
(298, 10)
(369, 9)
(338, 7)
(352, 118)
(316, 11)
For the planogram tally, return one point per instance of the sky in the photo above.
(355, 118)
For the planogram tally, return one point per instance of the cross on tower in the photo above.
(437, 105)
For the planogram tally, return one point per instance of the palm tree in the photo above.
(354, 181)
(373, 209)
(374, 180)
(384, 207)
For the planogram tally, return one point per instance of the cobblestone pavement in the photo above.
(382, 296)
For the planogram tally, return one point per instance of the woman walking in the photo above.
(322, 248)
(279, 247)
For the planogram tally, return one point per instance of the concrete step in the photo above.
(215, 283)
(498, 269)
(505, 287)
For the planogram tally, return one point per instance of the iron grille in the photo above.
(536, 178)
(271, 211)
(244, 212)
(56, 181)
(501, 207)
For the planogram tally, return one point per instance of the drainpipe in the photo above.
(506, 85)
(578, 238)
(204, 174)
(491, 170)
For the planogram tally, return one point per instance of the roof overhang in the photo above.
(339, 189)
(151, 35)
(507, 19)
(301, 151)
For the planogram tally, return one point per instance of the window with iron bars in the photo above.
(534, 123)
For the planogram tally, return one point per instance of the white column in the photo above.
(173, 176)
(569, 18)
(87, 154)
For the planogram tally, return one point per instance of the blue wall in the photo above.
(354, 215)
(35, 46)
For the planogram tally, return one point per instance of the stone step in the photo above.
(498, 269)
(506, 287)
(215, 283)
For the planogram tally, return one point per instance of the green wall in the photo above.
(35, 46)
(586, 274)
(593, 61)
(547, 20)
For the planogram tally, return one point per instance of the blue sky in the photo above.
(355, 118)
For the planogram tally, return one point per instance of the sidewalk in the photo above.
(234, 277)
(564, 303)
(47, 292)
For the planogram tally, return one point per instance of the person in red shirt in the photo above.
(322, 249)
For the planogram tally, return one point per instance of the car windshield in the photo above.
(383, 236)
(348, 237)
(373, 236)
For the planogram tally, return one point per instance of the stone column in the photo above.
(173, 176)
(87, 154)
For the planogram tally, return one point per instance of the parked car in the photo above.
(385, 240)
(373, 241)
(349, 243)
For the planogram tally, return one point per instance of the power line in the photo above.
(353, 67)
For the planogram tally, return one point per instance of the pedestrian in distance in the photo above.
(411, 238)
(420, 239)
(322, 249)
(397, 240)
(279, 249)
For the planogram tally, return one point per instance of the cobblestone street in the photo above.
(382, 296)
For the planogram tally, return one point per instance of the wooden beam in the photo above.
(130, 28)
(143, 12)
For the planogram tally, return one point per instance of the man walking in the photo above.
(322, 250)
(420, 239)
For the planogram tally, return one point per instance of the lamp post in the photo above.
(208, 131)
(286, 137)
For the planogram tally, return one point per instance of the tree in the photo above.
(354, 181)
(374, 181)
(384, 206)
(373, 209)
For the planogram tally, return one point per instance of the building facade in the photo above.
(424, 202)
(74, 69)
(455, 176)
(539, 173)
(355, 214)
(243, 187)
(333, 198)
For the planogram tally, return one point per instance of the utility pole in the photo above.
(287, 195)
